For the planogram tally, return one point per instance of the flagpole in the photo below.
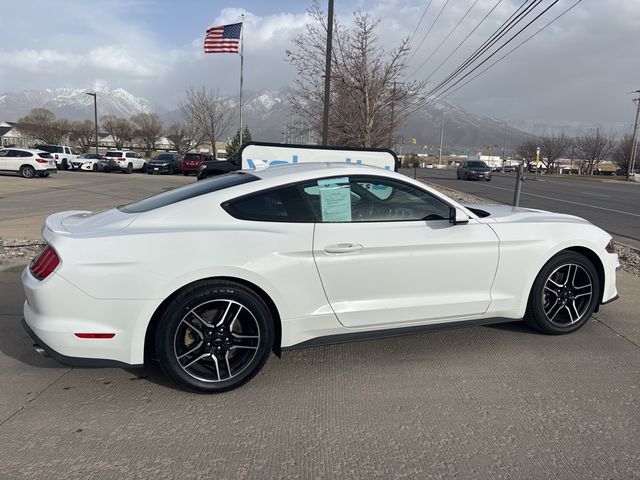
(241, 65)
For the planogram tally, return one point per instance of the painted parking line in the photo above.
(567, 201)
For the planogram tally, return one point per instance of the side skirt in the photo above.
(394, 332)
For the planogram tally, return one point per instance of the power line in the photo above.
(508, 25)
(419, 22)
(501, 46)
(442, 96)
(445, 38)
(429, 31)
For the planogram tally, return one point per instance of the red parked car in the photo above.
(192, 161)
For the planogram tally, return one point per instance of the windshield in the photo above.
(478, 165)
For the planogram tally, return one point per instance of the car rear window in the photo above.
(113, 154)
(189, 191)
(50, 148)
(192, 156)
(44, 155)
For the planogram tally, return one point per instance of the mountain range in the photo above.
(268, 116)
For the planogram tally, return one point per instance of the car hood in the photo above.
(506, 214)
(83, 222)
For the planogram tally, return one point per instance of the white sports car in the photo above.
(297, 256)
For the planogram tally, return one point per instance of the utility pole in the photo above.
(441, 137)
(95, 115)
(634, 141)
(327, 75)
(393, 111)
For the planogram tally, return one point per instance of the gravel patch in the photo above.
(21, 251)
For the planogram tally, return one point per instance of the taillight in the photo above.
(41, 160)
(45, 263)
(122, 159)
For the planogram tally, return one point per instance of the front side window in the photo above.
(371, 199)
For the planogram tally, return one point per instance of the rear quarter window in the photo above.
(283, 204)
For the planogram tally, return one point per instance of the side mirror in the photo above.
(458, 216)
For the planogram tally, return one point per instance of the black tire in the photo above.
(186, 174)
(564, 295)
(170, 169)
(238, 335)
(464, 176)
(106, 170)
(144, 167)
(94, 167)
(150, 172)
(458, 175)
(488, 179)
(27, 171)
(129, 169)
(43, 174)
(65, 164)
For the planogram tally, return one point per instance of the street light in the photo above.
(95, 113)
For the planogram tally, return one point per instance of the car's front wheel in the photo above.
(214, 336)
(564, 295)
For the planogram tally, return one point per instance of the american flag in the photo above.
(223, 39)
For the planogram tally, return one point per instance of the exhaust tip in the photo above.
(40, 351)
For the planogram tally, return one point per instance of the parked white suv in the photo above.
(62, 154)
(123, 160)
(27, 163)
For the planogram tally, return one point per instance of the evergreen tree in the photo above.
(233, 146)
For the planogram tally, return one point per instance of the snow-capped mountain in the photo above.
(73, 103)
(268, 116)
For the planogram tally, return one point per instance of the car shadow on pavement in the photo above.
(517, 326)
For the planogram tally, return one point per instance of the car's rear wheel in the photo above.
(214, 336)
(27, 171)
(129, 168)
(564, 295)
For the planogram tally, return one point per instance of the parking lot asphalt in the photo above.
(613, 205)
(486, 402)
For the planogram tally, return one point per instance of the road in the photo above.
(610, 204)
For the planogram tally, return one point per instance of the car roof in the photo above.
(30, 150)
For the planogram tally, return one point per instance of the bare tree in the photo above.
(42, 124)
(622, 153)
(209, 115)
(149, 128)
(120, 129)
(553, 147)
(368, 100)
(183, 137)
(527, 150)
(84, 133)
(595, 146)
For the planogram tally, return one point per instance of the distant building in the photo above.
(10, 136)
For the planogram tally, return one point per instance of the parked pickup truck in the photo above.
(62, 154)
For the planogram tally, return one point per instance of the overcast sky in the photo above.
(581, 69)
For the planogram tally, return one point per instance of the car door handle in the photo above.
(343, 248)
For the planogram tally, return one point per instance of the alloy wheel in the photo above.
(216, 340)
(567, 295)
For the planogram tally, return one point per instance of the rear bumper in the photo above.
(73, 361)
